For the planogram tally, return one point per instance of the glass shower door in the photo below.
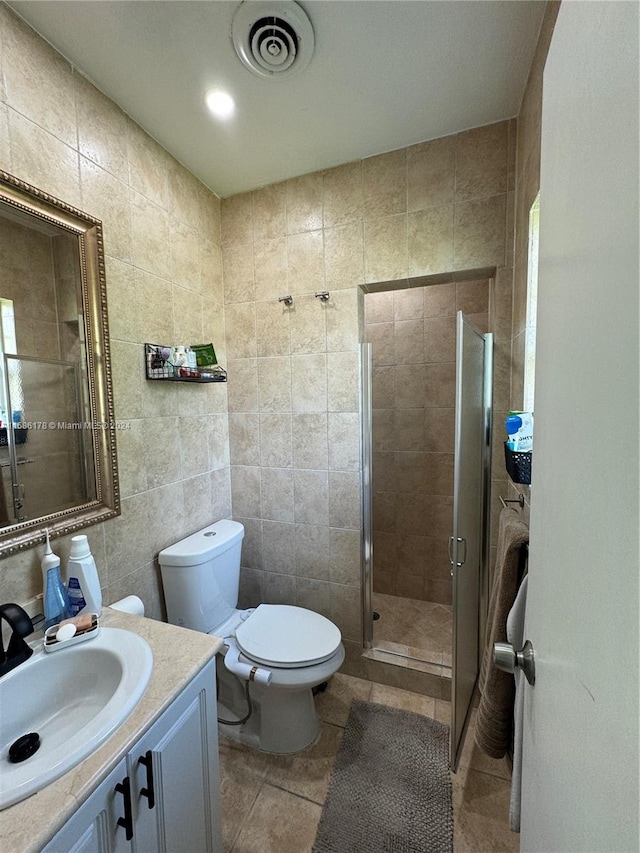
(469, 544)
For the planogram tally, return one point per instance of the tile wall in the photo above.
(436, 208)
(164, 285)
(413, 336)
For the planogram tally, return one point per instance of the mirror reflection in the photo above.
(57, 448)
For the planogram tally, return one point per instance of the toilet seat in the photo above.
(282, 635)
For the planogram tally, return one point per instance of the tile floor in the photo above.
(421, 630)
(272, 804)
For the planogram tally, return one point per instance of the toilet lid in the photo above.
(281, 635)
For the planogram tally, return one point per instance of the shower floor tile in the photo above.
(420, 630)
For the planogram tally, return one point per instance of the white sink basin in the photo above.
(74, 699)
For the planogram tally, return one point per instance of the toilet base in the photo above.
(283, 719)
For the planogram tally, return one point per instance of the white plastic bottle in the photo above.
(83, 584)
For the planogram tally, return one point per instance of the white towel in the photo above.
(515, 635)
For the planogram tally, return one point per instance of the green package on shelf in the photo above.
(205, 354)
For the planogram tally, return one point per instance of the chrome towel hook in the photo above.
(323, 295)
(288, 300)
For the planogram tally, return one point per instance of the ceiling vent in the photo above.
(273, 39)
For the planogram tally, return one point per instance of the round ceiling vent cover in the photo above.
(272, 38)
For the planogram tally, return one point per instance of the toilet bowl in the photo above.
(273, 656)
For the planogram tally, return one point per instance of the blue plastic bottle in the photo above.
(56, 602)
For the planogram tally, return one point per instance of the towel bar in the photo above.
(519, 500)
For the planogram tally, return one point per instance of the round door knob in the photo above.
(508, 659)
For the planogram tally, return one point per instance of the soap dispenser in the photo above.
(56, 603)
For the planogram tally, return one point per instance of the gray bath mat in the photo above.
(390, 789)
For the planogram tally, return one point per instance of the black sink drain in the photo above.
(24, 747)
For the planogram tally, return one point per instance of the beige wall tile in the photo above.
(343, 194)
(252, 544)
(244, 439)
(155, 307)
(211, 285)
(245, 491)
(273, 321)
(33, 150)
(439, 299)
(277, 494)
(341, 313)
(279, 589)
(385, 248)
(408, 303)
(274, 384)
(150, 228)
(344, 499)
(430, 240)
(278, 547)
(344, 255)
(102, 129)
(269, 213)
(310, 441)
(148, 165)
(185, 256)
(270, 268)
(312, 551)
(236, 219)
(107, 198)
(379, 307)
(382, 340)
(309, 383)
(240, 330)
(479, 233)
(311, 490)
(440, 384)
(5, 154)
(346, 611)
(430, 173)
(344, 441)
(308, 326)
(481, 161)
(439, 429)
(187, 316)
(237, 269)
(162, 441)
(440, 339)
(122, 298)
(193, 437)
(131, 464)
(342, 381)
(37, 80)
(408, 387)
(182, 190)
(472, 297)
(275, 441)
(242, 385)
(344, 556)
(305, 259)
(385, 184)
(304, 198)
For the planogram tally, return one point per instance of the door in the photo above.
(580, 733)
(469, 542)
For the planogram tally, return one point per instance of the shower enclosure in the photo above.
(426, 438)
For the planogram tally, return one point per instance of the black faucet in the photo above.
(21, 626)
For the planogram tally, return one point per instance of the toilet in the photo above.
(273, 655)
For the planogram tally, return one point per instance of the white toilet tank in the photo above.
(201, 576)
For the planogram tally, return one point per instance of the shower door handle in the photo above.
(459, 540)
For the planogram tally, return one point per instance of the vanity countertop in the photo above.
(178, 655)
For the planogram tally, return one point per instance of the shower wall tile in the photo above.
(379, 307)
(408, 303)
(268, 210)
(310, 441)
(307, 318)
(343, 372)
(309, 383)
(311, 491)
(304, 200)
(242, 381)
(431, 173)
(275, 441)
(472, 297)
(343, 194)
(481, 161)
(273, 337)
(277, 494)
(344, 441)
(408, 341)
(274, 384)
(236, 220)
(270, 268)
(385, 249)
(439, 300)
(479, 233)
(240, 330)
(385, 184)
(440, 339)
(344, 256)
(237, 269)
(305, 262)
(344, 556)
(430, 240)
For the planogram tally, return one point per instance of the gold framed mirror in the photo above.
(58, 465)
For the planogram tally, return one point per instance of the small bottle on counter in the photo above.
(83, 584)
(56, 602)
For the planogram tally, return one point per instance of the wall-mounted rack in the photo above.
(160, 366)
(519, 500)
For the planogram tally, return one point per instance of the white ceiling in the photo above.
(384, 74)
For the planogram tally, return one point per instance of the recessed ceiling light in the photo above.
(221, 104)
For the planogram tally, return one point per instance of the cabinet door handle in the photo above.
(149, 791)
(126, 822)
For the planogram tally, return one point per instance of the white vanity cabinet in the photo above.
(165, 795)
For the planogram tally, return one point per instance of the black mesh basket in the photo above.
(518, 465)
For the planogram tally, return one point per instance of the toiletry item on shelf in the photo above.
(83, 584)
(205, 354)
(519, 427)
(56, 603)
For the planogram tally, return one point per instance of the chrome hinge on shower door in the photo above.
(459, 540)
